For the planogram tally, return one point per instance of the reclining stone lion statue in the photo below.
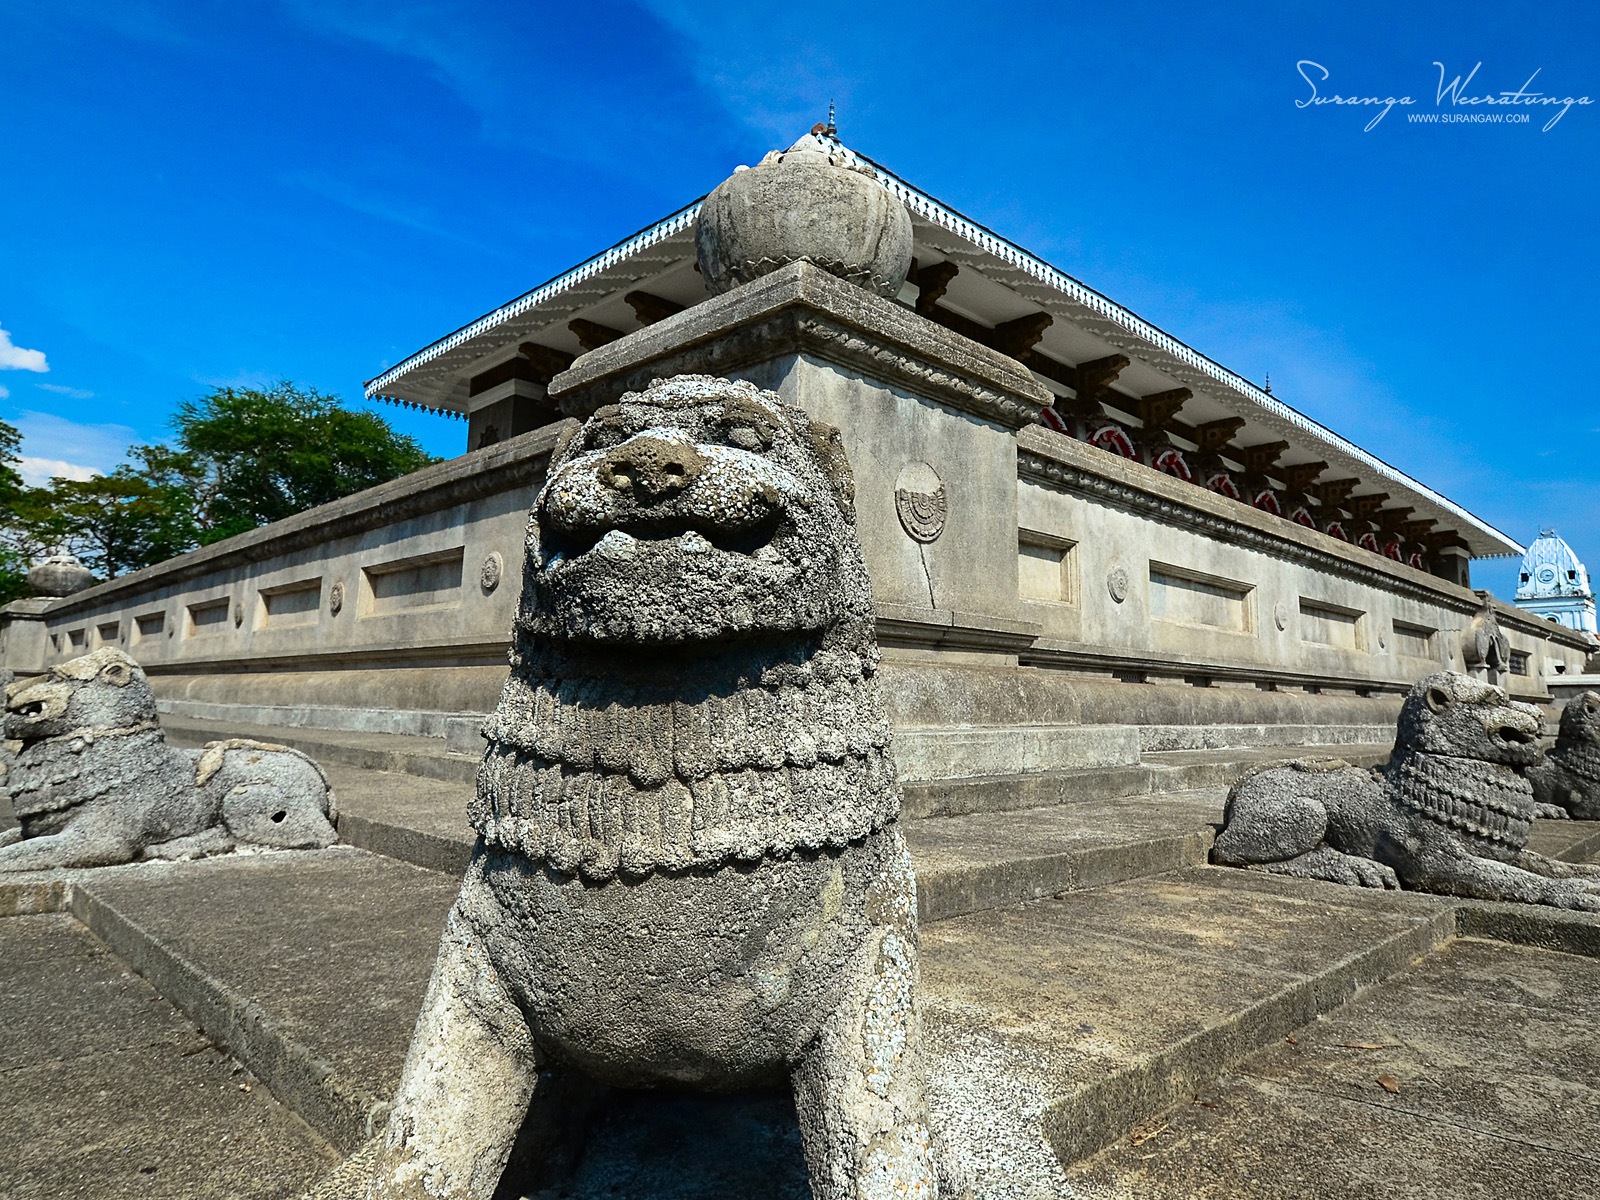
(688, 871)
(1566, 781)
(1449, 813)
(95, 783)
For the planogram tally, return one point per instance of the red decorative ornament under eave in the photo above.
(1171, 462)
(1222, 483)
(1051, 419)
(1114, 439)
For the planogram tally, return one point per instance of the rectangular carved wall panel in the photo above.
(1193, 598)
(297, 603)
(426, 581)
(1332, 625)
(1046, 569)
(208, 617)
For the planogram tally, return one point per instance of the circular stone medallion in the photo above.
(1280, 615)
(919, 501)
(489, 573)
(336, 598)
(1117, 583)
(238, 613)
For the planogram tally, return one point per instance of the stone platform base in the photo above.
(1087, 978)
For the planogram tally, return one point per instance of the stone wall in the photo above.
(1027, 585)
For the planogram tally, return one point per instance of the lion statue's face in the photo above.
(700, 509)
(1580, 721)
(1453, 714)
(104, 689)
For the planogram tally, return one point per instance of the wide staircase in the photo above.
(1107, 1016)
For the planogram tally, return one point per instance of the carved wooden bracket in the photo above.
(1333, 492)
(1214, 435)
(1259, 457)
(1158, 408)
(1300, 476)
(650, 308)
(1018, 337)
(592, 335)
(546, 361)
(1363, 507)
(932, 282)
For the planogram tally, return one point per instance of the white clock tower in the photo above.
(1555, 585)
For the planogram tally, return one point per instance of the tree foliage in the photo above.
(240, 458)
(261, 456)
(14, 559)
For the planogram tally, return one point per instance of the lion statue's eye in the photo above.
(1438, 699)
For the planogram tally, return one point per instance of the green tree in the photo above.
(14, 561)
(131, 518)
(253, 457)
(243, 458)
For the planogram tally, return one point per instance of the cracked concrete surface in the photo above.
(1493, 1055)
(107, 1091)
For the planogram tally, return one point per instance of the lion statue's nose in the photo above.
(651, 467)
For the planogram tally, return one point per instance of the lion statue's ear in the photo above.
(117, 674)
(829, 449)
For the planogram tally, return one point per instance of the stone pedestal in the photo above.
(928, 420)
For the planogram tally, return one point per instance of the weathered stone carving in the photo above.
(812, 201)
(1566, 780)
(920, 502)
(1117, 583)
(95, 783)
(1449, 813)
(689, 870)
(1484, 648)
(60, 575)
(489, 572)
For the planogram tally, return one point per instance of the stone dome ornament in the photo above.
(60, 575)
(814, 201)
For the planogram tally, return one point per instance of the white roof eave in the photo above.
(426, 377)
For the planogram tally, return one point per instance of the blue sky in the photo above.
(202, 193)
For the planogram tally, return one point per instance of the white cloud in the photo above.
(56, 441)
(5, 391)
(62, 389)
(15, 358)
(36, 472)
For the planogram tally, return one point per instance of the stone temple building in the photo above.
(1554, 584)
(1053, 491)
(1108, 576)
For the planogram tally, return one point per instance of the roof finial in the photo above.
(826, 128)
(1267, 387)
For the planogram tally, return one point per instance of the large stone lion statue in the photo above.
(1449, 813)
(95, 783)
(1566, 781)
(688, 871)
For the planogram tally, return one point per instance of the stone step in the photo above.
(1491, 1055)
(1055, 1027)
(405, 754)
(309, 967)
(109, 1092)
(1159, 772)
(964, 864)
